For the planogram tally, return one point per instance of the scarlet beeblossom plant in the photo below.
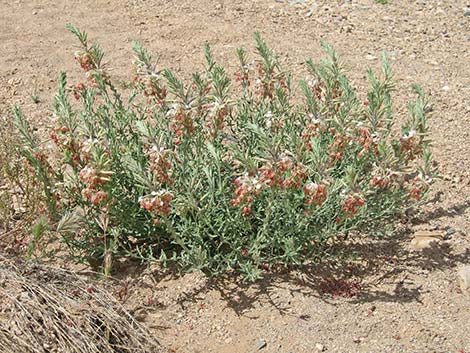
(215, 175)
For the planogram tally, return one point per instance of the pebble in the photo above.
(423, 239)
(261, 344)
(313, 9)
(370, 57)
(466, 12)
(422, 243)
(464, 277)
(446, 88)
(319, 347)
(449, 232)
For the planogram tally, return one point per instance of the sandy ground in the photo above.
(408, 301)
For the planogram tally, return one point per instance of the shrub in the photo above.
(20, 194)
(212, 178)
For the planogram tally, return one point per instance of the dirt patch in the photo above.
(408, 301)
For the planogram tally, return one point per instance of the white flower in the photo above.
(410, 134)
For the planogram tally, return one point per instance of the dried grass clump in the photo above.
(47, 310)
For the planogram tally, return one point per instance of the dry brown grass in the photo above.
(45, 310)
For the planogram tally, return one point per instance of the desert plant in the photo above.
(20, 195)
(213, 178)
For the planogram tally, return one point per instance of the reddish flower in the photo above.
(160, 164)
(352, 205)
(84, 59)
(98, 197)
(157, 203)
(315, 194)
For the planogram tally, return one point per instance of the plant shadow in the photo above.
(370, 271)
(358, 278)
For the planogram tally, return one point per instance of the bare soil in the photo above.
(399, 300)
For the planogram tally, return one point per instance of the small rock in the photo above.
(313, 9)
(429, 234)
(370, 57)
(261, 344)
(319, 347)
(464, 277)
(423, 239)
(446, 88)
(449, 232)
(466, 12)
(421, 243)
(357, 340)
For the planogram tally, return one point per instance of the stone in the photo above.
(449, 232)
(464, 277)
(424, 239)
(261, 344)
(319, 347)
(421, 243)
(429, 234)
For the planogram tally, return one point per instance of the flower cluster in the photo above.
(368, 141)
(311, 130)
(160, 164)
(157, 203)
(264, 84)
(285, 173)
(65, 141)
(268, 81)
(318, 89)
(181, 122)
(242, 75)
(270, 175)
(151, 87)
(217, 113)
(383, 178)
(380, 181)
(247, 187)
(77, 90)
(85, 61)
(315, 194)
(93, 181)
(296, 178)
(352, 204)
(419, 185)
(338, 146)
(90, 61)
(59, 137)
(409, 144)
